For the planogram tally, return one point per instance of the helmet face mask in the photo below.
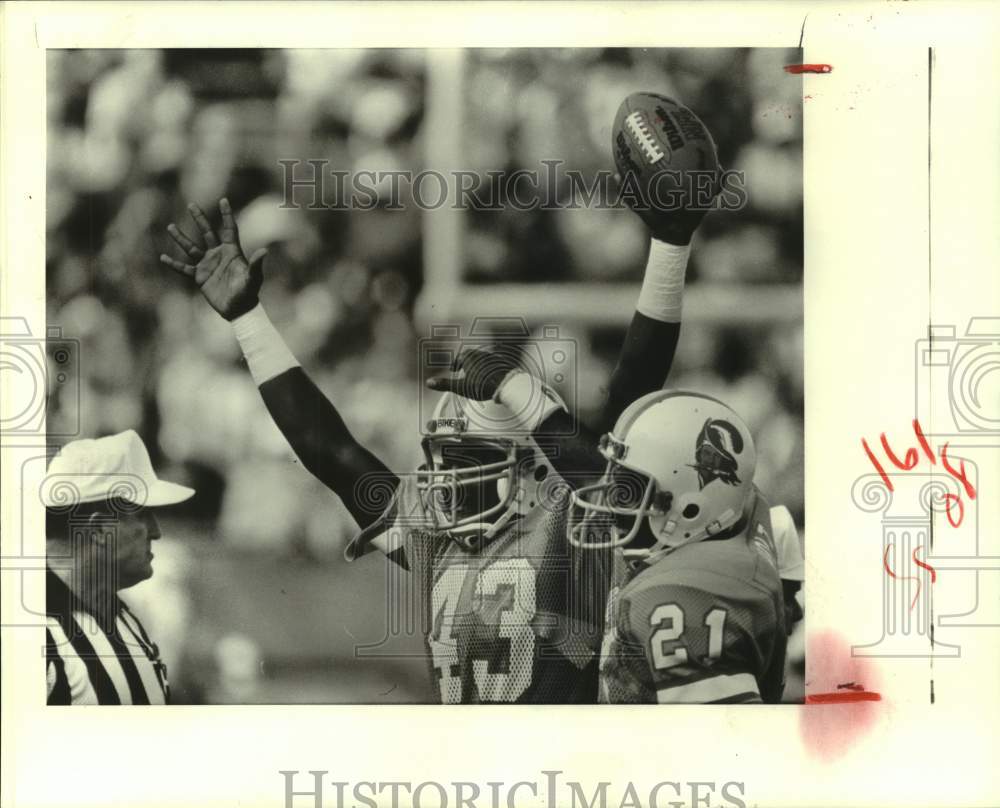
(612, 511)
(465, 482)
(680, 470)
(479, 470)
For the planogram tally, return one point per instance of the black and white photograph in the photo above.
(490, 404)
(469, 377)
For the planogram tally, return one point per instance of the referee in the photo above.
(99, 498)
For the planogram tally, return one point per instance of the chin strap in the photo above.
(727, 525)
(469, 537)
(476, 534)
(725, 520)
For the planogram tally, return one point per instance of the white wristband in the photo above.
(266, 353)
(663, 283)
(530, 399)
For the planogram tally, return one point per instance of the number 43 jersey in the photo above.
(702, 624)
(519, 620)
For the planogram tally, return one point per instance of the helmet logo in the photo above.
(457, 424)
(718, 444)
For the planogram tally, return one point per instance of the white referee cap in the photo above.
(114, 467)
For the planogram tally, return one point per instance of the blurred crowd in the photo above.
(527, 106)
(133, 136)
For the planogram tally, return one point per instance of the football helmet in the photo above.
(680, 462)
(481, 468)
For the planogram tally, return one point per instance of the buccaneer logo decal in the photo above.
(715, 452)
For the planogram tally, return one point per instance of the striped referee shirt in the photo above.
(89, 660)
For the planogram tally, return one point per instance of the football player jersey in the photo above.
(519, 620)
(791, 563)
(703, 623)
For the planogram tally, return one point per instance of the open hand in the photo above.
(228, 281)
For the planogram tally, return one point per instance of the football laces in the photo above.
(638, 126)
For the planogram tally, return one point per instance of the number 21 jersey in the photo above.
(702, 624)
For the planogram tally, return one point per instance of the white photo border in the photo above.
(899, 234)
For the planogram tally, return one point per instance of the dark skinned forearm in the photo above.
(643, 366)
(324, 444)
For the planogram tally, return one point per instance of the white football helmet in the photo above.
(482, 467)
(681, 462)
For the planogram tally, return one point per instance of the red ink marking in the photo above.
(910, 461)
(878, 466)
(958, 475)
(950, 499)
(923, 442)
(806, 97)
(905, 465)
(924, 564)
(830, 723)
(850, 686)
(885, 561)
(843, 698)
(811, 68)
(889, 570)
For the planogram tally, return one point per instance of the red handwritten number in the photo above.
(923, 564)
(923, 442)
(950, 499)
(878, 466)
(911, 456)
(892, 574)
(970, 491)
(885, 561)
(910, 460)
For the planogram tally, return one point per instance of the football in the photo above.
(665, 152)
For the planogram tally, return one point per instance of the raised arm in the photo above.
(651, 340)
(647, 353)
(307, 418)
(322, 441)
(643, 366)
